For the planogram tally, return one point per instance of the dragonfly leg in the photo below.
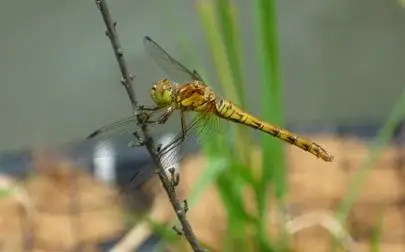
(180, 139)
(183, 125)
(164, 117)
(174, 177)
(138, 142)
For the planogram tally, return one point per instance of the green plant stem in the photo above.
(383, 136)
(272, 104)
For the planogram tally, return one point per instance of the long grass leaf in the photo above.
(383, 137)
(271, 90)
(228, 32)
(228, 26)
(210, 25)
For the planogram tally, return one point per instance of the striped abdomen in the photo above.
(229, 111)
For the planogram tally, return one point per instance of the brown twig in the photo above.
(147, 139)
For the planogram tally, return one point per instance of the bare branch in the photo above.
(146, 139)
(112, 35)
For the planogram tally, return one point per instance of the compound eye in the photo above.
(154, 87)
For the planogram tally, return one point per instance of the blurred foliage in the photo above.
(382, 139)
(228, 168)
(4, 193)
(219, 21)
(376, 234)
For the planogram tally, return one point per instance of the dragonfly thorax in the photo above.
(163, 92)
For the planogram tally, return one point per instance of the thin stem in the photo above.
(148, 141)
(111, 33)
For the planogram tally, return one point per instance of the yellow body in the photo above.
(231, 112)
(198, 97)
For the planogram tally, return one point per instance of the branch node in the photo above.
(120, 52)
(108, 34)
(177, 230)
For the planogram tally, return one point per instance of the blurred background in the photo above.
(342, 62)
(341, 67)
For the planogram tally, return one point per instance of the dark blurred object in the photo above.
(111, 161)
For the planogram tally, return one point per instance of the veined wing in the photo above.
(124, 126)
(169, 65)
(112, 128)
(199, 129)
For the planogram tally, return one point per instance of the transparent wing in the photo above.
(169, 65)
(120, 126)
(198, 130)
(124, 126)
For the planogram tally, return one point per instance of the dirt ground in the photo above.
(40, 213)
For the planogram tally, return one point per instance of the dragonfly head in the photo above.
(162, 92)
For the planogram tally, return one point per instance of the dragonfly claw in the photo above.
(174, 178)
(159, 148)
(139, 141)
(185, 208)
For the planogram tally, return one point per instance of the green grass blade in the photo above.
(228, 26)
(376, 234)
(383, 137)
(228, 30)
(210, 24)
(238, 217)
(271, 90)
(192, 61)
(215, 166)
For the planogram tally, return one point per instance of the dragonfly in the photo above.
(187, 92)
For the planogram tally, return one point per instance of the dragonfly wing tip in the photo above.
(94, 134)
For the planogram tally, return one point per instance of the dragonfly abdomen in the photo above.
(229, 111)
